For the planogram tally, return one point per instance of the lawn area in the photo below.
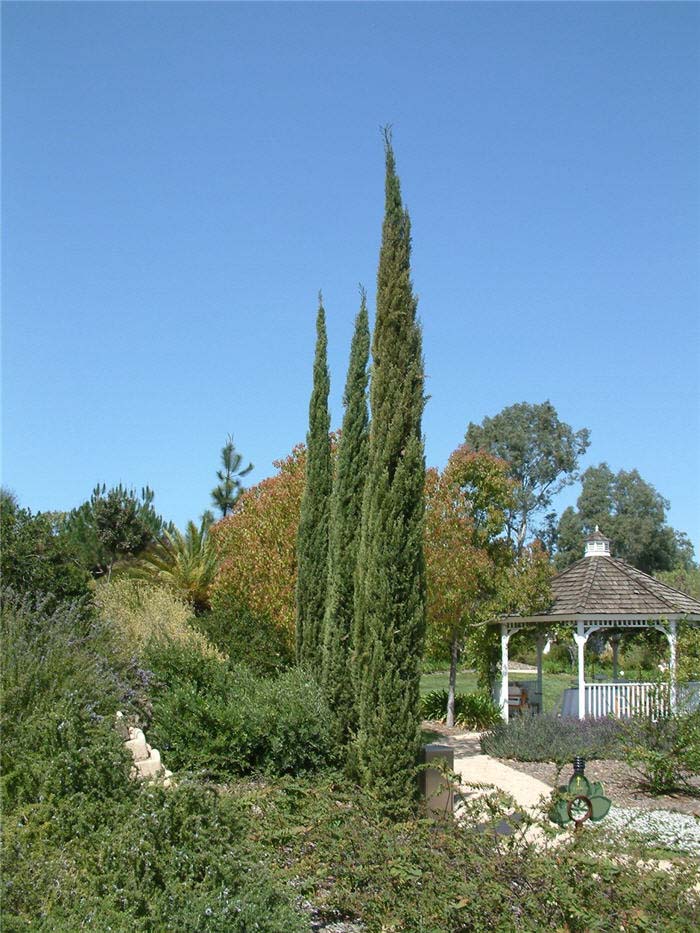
(466, 681)
(554, 684)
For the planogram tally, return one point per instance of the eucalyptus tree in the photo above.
(542, 454)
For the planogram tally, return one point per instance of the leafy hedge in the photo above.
(222, 720)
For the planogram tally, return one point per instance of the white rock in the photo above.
(137, 745)
(149, 767)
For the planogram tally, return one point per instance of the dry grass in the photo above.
(141, 612)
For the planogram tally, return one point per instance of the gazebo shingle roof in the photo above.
(604, 584)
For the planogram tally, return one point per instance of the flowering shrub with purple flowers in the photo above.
(555, 738)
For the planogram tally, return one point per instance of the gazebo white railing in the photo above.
(597, 700)
(627, 699)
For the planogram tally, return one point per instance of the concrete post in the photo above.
(435, 786)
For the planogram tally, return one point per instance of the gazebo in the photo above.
(602, 593)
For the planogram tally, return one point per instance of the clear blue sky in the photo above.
(181, 179)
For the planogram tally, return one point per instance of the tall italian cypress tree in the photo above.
(312, 540)
(346, 516)
(390, 588)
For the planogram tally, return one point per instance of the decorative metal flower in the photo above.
(580, 799)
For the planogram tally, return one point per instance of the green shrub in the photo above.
(61, 688)
(37, 557)
(223, 720)
(245, 637)
(472, 710)
(179, 860)
(552, 738)
(666, 752)
(84, 846)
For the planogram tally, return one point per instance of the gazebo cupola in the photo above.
(597, 544)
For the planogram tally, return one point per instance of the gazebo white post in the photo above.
(504, 671)
(540, 648)
(580, 639)
(672, 641)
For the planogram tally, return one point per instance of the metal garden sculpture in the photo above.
(580, 800)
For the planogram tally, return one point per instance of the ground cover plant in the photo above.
(336, 846)
(141, 860)
(658, 830)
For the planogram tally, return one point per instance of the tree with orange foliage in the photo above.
(256, 544)
(466, 551)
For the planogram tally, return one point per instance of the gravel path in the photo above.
(527, 791)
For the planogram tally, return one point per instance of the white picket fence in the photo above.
(627, 699)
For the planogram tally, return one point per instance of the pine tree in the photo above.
(390, 589)
(226, 494)
(345, 521)
(312, 540)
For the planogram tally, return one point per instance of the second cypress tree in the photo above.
(312, 539)
(390, 589)
(346, 515)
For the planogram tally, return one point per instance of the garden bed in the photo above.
(621, 783)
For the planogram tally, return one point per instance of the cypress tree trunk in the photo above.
(312, 540)
(346, 517)
(390, 591)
